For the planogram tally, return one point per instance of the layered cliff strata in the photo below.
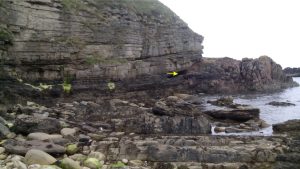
(132, 43)
(94, 40)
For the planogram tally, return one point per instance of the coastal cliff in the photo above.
(93, 41)
(131, 43)
(84, 84)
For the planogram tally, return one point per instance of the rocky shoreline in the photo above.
(174, 133)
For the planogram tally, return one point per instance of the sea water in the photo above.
(271, 114)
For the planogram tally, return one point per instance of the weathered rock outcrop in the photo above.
(288, 126)
(229, 75)
(294, 72)
(166, 117)
(290, 158)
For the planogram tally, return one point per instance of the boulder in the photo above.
(173, 106)
(68, 163)
(19, 165)
(3, 121)
(72, 149)
(125, 161)
(98, 155)
(92, 163)
(2, 150)
(78, 157)
(219, 129)
(22, 147)
(239, 114)
(35, 156)
(43, 136)
(68, 132)
(3, 156)
(288, 126)
(26, 124)
(223, 101)
(4, 131)
(136, 163)
(275, 103)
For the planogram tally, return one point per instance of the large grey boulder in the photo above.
(35, 156)
(22, 147)
(238, 114)
(4, 131)
(26, 124)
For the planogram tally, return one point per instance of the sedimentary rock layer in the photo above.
(91, 40)
(130, 42)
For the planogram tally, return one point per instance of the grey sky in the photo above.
(245, 28)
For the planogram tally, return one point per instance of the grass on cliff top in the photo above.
(152, 9)
(142, 7)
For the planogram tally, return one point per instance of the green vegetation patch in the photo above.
(119, 164)
(67, 87)
(143, 7)
(6, 35)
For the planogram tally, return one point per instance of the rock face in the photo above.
(200, 150)
(131, 43)
(294, 72)
(290, 159)
(229, 75)
(90, 42)
(168, 116)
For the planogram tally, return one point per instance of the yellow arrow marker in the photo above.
(173, 73)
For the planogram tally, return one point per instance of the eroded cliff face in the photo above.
(130, 42)
(92, 41)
